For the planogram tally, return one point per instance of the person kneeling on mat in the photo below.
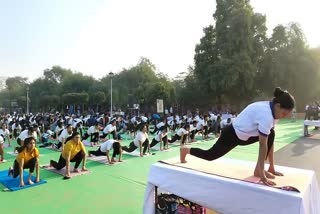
(74, 151)
(161, 138)
(141, 140)
(254, 124)
(28, 158)
(106, 147)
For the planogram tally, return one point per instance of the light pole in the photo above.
(111, 75)
(27, 100)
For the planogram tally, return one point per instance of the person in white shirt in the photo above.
(66, 133)
(106, 147)
(159, 125)
(58, 129)
(16, 127)
(93, 133)
(226, 122)
(254, 124)
(182, 135)
(141, 140)
(5, 133)
(110, 129)
(162, 138)
(23, 135)
(1, 149)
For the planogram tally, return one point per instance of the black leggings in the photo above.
(114, 135)
(94, 137)
(177, 137)
(31, 164)
(62, 162)
(100, 153)
(133, 147)
(155, 142)
(226, 142)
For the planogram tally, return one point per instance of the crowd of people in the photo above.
(70, 134)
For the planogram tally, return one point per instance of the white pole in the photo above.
(27, 100)
(111, 100)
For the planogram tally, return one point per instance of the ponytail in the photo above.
(284, 98)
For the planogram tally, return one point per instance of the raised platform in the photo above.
(225, 186)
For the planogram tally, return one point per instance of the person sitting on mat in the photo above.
(162, 138)
(182, 134)
(65, 133)
(255, 123)
(28, 158)
(106, 147)
(141, 140)
(74, 151)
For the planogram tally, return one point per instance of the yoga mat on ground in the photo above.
(135, 153)
(63, 171)
(16, 154)
(13, 183)
(237, 170)
(102, 159)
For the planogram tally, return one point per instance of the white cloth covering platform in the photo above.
(308, 123)
(227, 195)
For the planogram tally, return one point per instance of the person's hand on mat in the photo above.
(37, 180)
(30, 182)
(22, 184)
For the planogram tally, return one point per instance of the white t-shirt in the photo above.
(16, 127)
(157, 137)
(92, 130)
(192, 127)
(5, 133)
(254, 119)
(140, 137)
(224, 123)
(159, 125)
(108, 145)
(144, 119)
(64, 135)
(24, 134)
(200, 124)
(1, 140)
(182, 132)
(109, 128)
(58, 129)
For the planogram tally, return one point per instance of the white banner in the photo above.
(159, 106)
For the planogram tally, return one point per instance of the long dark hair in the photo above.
(284, 98)
(27, 141)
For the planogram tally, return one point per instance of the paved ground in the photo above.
(303, 153)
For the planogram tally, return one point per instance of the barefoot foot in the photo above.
(183, 153)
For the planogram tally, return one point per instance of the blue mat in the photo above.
(13, 183)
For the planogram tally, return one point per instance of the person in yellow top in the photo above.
(28, 158)
(74, 151)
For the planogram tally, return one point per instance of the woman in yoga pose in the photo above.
(255, 123)
(73, 151)
(28, 158)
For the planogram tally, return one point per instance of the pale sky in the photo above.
(98, 36)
